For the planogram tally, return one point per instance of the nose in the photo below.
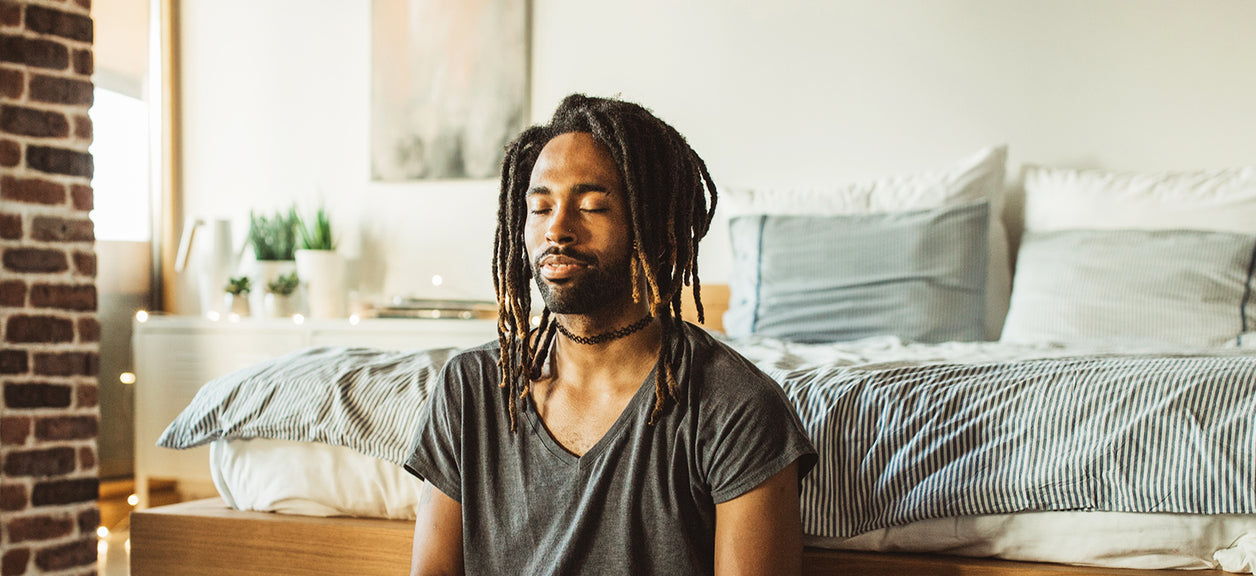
(562, 225)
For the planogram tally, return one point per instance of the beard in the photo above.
(598, 287)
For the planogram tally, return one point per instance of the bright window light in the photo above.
(120, 181)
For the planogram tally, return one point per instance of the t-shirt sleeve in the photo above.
(437, 447)
(754, 433)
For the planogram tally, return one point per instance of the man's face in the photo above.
(577, 227)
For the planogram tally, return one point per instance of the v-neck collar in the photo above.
(631, 411)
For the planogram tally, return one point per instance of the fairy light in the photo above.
(133, 499)
(298, 319)
(127, 377)
(437, 280)
(102, 532)
(212, 315)
(233, 317)
(141, 316)
(354, 319)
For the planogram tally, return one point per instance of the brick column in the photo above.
(48, 324)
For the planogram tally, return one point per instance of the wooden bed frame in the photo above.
(205, 537)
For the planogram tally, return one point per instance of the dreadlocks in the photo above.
(666, 185)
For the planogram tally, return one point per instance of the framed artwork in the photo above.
(448, 86)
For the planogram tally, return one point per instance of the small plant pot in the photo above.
(237, 304)
(280, 305)
(264, 271)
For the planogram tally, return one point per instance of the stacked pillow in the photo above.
(920, 256)
(1135, 259)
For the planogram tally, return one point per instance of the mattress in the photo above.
(316, 479)
(965, 448)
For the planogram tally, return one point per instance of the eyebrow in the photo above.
(577, 189)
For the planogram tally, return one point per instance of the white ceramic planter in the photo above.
(280, 306)
(263, 272)
(237, 304)
(322, 274)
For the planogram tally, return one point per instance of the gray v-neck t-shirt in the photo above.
(640, 501)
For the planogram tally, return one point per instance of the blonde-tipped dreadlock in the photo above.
(666, 185)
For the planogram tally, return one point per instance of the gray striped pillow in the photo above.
(919, 275)
(360, 398)
(1133, 287)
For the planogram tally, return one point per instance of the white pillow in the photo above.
(977, 177)
(1074, 202)
(1215, 200)
(310, 479)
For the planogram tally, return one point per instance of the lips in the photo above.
(561, 266)
(558, 267)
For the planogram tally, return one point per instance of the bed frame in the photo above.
(206, 537)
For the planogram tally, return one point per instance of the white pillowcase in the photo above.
(310, 479)
(1213, 200)
(980, 176)
(1075, 201)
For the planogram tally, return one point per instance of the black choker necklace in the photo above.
(606, 336)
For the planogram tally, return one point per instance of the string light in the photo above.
(127, 378)
(133, 499)
(212, 315)
(298, 319)
(354, 319)
(141, 316)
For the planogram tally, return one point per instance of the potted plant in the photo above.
(280, 302)
(273, 239)
(320, 267)
(236, 299)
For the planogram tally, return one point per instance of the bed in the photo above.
(1098, 412)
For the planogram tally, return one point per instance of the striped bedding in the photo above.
(905, 432)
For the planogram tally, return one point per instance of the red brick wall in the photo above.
(48, 323)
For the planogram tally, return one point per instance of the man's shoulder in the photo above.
(712, 354)
(490, 350)
(721, 368)
(468, 369)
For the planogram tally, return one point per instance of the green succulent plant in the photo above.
(238, 285)
(283, 285)
(315, 235)
(274, 237)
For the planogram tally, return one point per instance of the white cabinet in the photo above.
(174, 356)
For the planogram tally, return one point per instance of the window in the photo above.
(121, 180)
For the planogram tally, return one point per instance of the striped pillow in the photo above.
(919, 275)
(360, 398)
(1133, 287)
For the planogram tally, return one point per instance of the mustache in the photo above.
(578, 255)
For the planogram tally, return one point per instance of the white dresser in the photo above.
(174, 356)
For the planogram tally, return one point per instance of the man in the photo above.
(613, 438)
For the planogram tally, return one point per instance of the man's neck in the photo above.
(609, 361)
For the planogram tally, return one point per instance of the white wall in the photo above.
(794, 91)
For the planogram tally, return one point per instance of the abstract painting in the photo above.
(448, 86)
